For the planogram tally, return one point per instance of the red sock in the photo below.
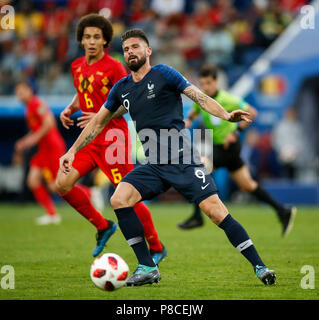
(150, 232)
(86, 189)
(78, 198)
(43, 197)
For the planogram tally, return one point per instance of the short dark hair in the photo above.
(95, 20)
(135, 33)
(208, 70)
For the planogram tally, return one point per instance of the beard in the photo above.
(135, 65)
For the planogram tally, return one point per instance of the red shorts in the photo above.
(48, 161)
(93, 156)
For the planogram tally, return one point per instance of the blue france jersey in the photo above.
(155, 105)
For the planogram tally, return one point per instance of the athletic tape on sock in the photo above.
(135, 240)
(244, 245)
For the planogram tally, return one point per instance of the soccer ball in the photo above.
(109, 272)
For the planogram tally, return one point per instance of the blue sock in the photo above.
(239, 238)
(133, 232)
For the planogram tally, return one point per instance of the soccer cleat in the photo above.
(268, 277)
(47, 219)
(144, 275)
(191, 223)
(287, 218)
(102, 236)
(158, 256)
(97, 198)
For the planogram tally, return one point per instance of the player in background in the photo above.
(226, 149)
(152, 95)
(93, 76)
(44, 165)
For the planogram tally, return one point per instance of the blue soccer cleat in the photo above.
(268, 277)
(158, 256)
(103, 236)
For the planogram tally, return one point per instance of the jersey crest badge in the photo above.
(85, 83)
(150, 87)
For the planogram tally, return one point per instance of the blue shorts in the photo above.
(191, 180)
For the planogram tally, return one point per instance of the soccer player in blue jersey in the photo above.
(152, 96)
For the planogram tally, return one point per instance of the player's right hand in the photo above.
(239, 115)
(65, 118)
(66, 162)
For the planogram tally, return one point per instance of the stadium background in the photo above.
(273, 68)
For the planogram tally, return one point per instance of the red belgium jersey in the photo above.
(93, 84)
(35, 112)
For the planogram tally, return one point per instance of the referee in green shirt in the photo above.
(226, 151)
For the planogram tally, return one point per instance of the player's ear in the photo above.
(149, 51)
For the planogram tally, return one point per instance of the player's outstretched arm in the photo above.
(213, 107)
(89, 133)
(33, 138)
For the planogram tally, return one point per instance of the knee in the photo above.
(214, 209)
(117, 201)
(61, 186)
(250, 186)
(33, 183)
(216, 216)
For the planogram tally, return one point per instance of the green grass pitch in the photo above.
(53, 262)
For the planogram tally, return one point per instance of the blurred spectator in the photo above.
(138, 11)
(28, 21)
(114, 8)
(292, 5)
(55, 82)
(240, 29)
(270, 23)
(7, 82)
(189, 44)
(168, 54)
(218, 46)
(45, 59)
(167, 7)
(289, 142)
(17, 60)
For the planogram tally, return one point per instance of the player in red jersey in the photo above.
(45, 163)
(93, 77)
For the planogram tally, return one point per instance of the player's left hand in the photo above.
(239, 115)
(85, 118)
(231, 138)
(66, 162)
